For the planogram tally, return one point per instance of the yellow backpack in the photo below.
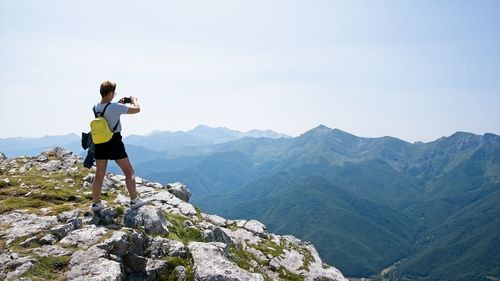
(99, 128)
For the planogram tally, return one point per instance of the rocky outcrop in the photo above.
(23, 224)
(167, 239)
(94, 264)
(148, 218)
(211, 262)
(179, 190)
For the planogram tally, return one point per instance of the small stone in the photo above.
(188, 223)
(42, 158)
(180, 272)
(89, 178)
(28, 242)
(48, 239)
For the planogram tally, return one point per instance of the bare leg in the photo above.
(100, 172)
(129, 173)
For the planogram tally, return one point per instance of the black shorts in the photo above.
(114, 149)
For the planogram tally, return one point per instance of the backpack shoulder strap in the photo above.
(104, 110)
(116, 126)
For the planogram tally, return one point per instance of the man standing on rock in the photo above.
(114, 149)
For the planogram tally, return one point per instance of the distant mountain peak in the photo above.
(321, 129)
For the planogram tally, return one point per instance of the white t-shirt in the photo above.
(112, 114)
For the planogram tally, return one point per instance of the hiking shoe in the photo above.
(137, 202)
(97, 207)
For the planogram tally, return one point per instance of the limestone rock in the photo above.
(84, 237)
(161, 247)
(108, 215)
(23, 224)
(215, 219)
(256, 227)
(48, 239)
(142, 268)
(66, 216)
(62, 231)
(118, 244)
(16, 264)
(217, 235)
(51, 250)
(211, 262)
(242, 236)
(148, 218)
(179, 190)
(94, 264)
(180, 272)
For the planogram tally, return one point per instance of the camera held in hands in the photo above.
(127, 100)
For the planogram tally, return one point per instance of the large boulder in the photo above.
(256, 227)
(161, 247)
(211, 262)
(302, 258)
(217, 235)
(144, 269)
(148, 218)
(118, 244)
(94, 264)
(179, 190)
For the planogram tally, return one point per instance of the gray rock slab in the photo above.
(51, 250)
(23, 224)
(94, 265)
(84, 237)
(211, 262)
(148, 218)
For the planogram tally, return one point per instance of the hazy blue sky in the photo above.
(417, 70)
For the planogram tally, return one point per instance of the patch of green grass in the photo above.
(176, 261)
(287, 275)
(307, 259)
(233, 227)
(57, 209)
(179, 232)
(120, 210)
(242, 257)
(267, 246)
(33, 205)
(49, 268)
(198, 213)
(3, 184)
(46, 190)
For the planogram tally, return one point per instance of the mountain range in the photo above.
(375, 207)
